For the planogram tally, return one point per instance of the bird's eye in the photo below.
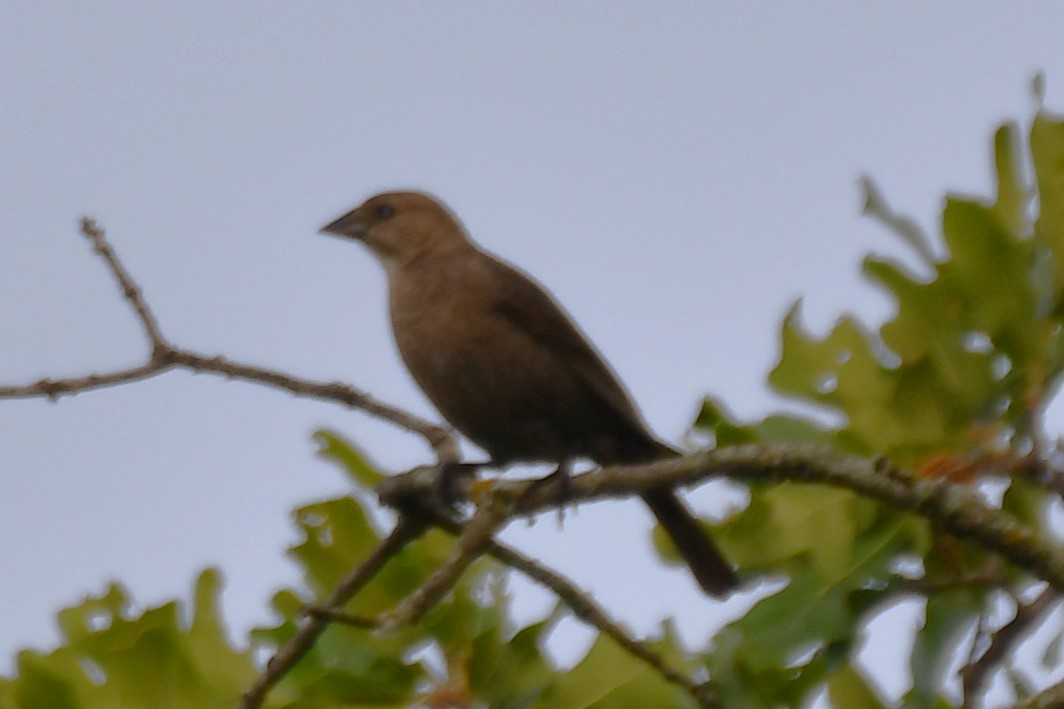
(384, 211)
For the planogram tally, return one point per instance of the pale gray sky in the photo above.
(676, 173)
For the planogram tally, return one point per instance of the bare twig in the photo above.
(165, 356)
(406, 530)
(335, 392)
(975, 674)
(438, 437)
(55, 388)
(130, 290)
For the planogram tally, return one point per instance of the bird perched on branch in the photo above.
(505, 365)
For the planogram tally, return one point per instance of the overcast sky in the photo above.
(676, 173)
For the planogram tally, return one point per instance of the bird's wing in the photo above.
(531, 310)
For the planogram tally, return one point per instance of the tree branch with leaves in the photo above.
(938, 486)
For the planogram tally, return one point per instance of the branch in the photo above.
(582, 606)
(576, 600)
(472, 540)
(315, 623)
(130, 290)
(953, 507)
(164, 357)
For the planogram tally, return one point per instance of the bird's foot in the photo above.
(558, 487)
(451, 475)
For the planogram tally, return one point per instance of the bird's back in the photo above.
(508, 368)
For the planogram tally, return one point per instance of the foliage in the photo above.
(953, 387)
(116, 657)
(467, 647)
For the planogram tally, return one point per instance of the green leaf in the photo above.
(1047, 152)
(947, 616)
(353, 461)
(608, 677)
(788, 521)
(774, 654)
(775, 428)
(511, 672)
(990, 271)
(842, 372)
(847, 688)
(714, 418)
(1013, 194)
(1027, 503)
(113, 656)
(905, 227)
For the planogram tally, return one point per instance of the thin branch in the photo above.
(438, 437)
(130, 290)
(580, 603)
(976, 673)
(584, 608)
(55, 388)
(475, 540)
(406, 530)
(471, 543)
(165, 357)
(429, 509)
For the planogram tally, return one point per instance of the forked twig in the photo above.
(165, 356)
(313, 625)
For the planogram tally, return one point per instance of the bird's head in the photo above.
(401, 228)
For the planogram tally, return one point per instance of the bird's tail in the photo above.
(712, 571)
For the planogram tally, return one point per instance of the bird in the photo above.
(505, 365)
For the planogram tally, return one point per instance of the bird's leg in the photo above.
(451, 474)
(559, 480)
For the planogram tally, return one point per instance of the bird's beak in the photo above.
(350, 226)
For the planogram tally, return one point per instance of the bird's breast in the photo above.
(489, 379)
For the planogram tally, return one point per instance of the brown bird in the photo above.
(505, 365)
